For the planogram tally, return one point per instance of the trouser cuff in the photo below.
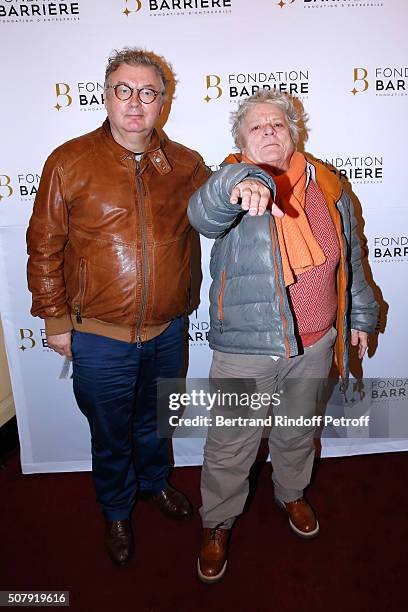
(226, 524)
(287, 495)
(116, 515)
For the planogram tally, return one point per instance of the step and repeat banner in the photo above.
(346, 60)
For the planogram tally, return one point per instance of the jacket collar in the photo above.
(155, 153)
(325, 178)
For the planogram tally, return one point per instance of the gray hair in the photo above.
(138, 57)
(294, 116)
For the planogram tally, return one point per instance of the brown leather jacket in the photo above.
(109, 238)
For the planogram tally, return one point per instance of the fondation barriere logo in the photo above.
(198, 329)
(27, 185)
(29, 340)
(381, 80)
(22, 186)
(177, 8)
(85, 95)
(367, 168)
(389, 248)
(389, 389)
(243, 84)
(38, 11)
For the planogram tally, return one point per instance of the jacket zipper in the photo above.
(81, 290)
(140, 190)
(220, 297)
(280, 292)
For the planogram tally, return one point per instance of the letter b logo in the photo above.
(360, 76)
(27, 340)
(62, 90)
(5, 186)
(135, 3)
(213, 85)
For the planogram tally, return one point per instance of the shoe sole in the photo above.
(211, 579)
(306, 535)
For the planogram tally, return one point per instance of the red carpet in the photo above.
(51, 539)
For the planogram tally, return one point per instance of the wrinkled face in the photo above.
(132, 116)
(265, 136)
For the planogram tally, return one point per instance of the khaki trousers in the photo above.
(230, 452)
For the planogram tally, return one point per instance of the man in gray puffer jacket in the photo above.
(288, 290)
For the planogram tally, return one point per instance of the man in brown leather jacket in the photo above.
(109, 270)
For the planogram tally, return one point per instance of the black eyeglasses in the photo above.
(124, 92)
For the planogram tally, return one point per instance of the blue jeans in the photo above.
(115, 385)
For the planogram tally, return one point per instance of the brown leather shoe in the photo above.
(302, 519)
(171, 502)
(119, 541)
(212, 561)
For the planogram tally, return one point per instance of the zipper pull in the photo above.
(78, 314)
(221, 326)
(137, 163)
(138, 342)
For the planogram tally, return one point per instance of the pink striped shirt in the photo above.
(313, 295)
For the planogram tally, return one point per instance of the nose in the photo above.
(134, 99)
(268, 129)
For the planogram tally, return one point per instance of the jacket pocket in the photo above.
(79, 301)
(220, 302)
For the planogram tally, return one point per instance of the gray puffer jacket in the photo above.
(249, 307)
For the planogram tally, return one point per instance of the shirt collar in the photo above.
(154, 152)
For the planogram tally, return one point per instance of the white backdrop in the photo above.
(346, 60)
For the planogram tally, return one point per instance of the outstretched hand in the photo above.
(255, 197)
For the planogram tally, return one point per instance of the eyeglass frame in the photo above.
(132, 89)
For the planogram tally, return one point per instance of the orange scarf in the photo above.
(299, 249)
